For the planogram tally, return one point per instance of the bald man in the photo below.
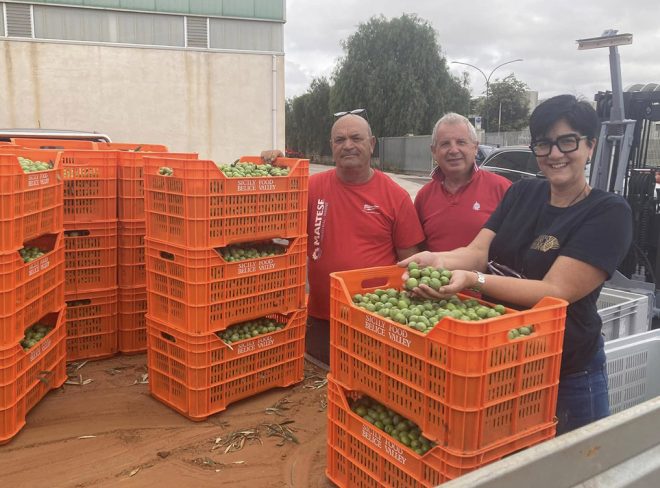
(358, 218)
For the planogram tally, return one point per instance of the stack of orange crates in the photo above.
(90, 224)
(473, 391)
(132, 327)
(31, 292)
(193, 211)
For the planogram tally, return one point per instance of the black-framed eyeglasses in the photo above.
(362, 112)
(566, 144)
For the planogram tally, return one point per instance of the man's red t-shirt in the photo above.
(453, 220)
(354, 226)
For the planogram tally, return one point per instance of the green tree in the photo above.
(511, 93)
(395, 69)
(308, 120)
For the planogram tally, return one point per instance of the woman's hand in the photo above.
(460, 280)
(424, 258)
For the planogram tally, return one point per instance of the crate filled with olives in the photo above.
(203, 204)
(201, 374)
(470, 372)
(31, 195)
(375, 444)
(207, 290)
(31, 285)
(29, 369)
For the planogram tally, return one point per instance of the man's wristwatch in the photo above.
(481, 280)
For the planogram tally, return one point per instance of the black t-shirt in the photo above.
(531, 234)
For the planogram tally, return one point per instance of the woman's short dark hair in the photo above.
(579, 114)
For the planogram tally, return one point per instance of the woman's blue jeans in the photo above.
(583, 396)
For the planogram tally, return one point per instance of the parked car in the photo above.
(483, 151)
(514, 163)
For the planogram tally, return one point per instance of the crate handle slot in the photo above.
(375, 282)
(168, 337)
(167, 255)
(79, 303)
(76, 233)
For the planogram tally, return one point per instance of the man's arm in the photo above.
(406, 253)
(271, 155)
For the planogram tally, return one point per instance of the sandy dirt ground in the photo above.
(111, 432)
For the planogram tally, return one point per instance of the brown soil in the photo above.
(136, 441)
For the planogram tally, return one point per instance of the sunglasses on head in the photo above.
(362, 112)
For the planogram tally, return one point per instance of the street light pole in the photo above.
(487, 78)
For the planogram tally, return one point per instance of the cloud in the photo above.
(487, 33)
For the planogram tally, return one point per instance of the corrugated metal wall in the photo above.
(245, 35)
(2, 20)
(258, 9)
(91, 25)
(145, 29)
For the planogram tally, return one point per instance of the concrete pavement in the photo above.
(410, 183)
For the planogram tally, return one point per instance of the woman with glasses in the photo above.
(552, 237)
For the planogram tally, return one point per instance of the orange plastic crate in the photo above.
(132, 147)
(198, 292)
(90, 185)
(466, 384)
(31, 204)
(131, 272)
(26, 376)
(91, 256)
(91, 324)
(56, 144)
(131, 323)
(360, 454)
(199, 375)
(199, 207)
(130, 189)
(30, 290)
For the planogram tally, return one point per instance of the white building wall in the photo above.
(219, 104)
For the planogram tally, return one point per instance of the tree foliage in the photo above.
(307, 120)
(512, 94)
(395, 69)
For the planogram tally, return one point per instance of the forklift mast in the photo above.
(623, 164)
(637, 155)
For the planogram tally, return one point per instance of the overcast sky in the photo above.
(486, 33)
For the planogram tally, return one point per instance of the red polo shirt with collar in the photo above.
(452, 220)
(354, 226)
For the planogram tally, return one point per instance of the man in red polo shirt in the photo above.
(455, 204)
(358, 218)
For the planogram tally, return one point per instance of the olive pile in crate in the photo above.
(403, 430)
(31, 253)
(422, 314)
(29, 166)
(249, 329)
(165, 171)
(240, 252)
(34, 334)
(251, 170)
